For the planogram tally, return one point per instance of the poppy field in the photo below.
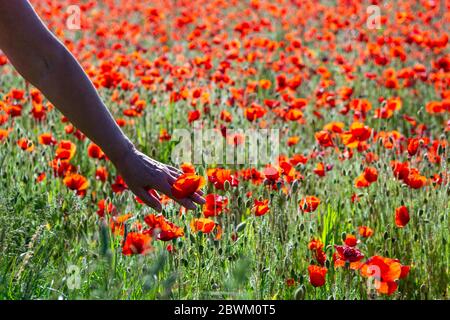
(355, 204)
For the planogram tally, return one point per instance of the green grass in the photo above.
(45, 229)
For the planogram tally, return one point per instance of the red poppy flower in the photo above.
(254, 112)
(161, 228)
(348, 254)
(3, 134)
(317, 275)
(47, 139)
(320, 169)
(324, 138)
(401, 216)
(186, 185)
(187, 167)
(351, 240)
(361, 182)
(218, 177)
(193, 115)
(260, 208)
(203, 224)
(272, 174)
(119, 185)
(137, 243)
(25, 144)
(101, 174)
(385, 272)
(416, 180)
(371, 174)
(76, 182)
(95, 152)
(309, 204)
(215, 205)
(365, 231)
(117, 223)
(66, 150)
(105, 207)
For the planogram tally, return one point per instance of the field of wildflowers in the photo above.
(354, 204)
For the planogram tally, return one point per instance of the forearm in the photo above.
(67, 86)
(48, 65)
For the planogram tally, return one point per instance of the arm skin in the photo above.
(45, 62)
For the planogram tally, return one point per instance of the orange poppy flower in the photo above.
(215, 205)
(317, 275)
(47, 139)
(265, 84)
(370, 174)
(3, 134)
(95, 152)
(401, 216)
(324, 138)
(187, 167)
(76, 182)
(272, 174)
(117, 224)
(119, 185)
(218, 177)
(385, 272)
(66, 150)
(320, 169)
(137, 243)
(415, 180)
(309, 204)
(161, 228)
(361, 182)
(226, 116)
(186, 185)
(260, 208)
(316, 245)
(202, 224)
(105, 207)
(351, 240)
(254, 112)
(365, 231)
(292, 141)
(101, 174)
(293, 115)
(25, 144)
(193, 115)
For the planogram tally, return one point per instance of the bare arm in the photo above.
(45, 62)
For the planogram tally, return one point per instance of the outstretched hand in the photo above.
(142, 173)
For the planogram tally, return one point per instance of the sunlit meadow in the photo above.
(355, 206)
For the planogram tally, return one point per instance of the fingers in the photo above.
(196, 197)
(186, 202)
(148, 199)
(176, 172)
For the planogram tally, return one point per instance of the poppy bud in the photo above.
(241, 226)
(295, 186)
(299, 294)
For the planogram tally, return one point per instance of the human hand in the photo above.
(142, 173)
